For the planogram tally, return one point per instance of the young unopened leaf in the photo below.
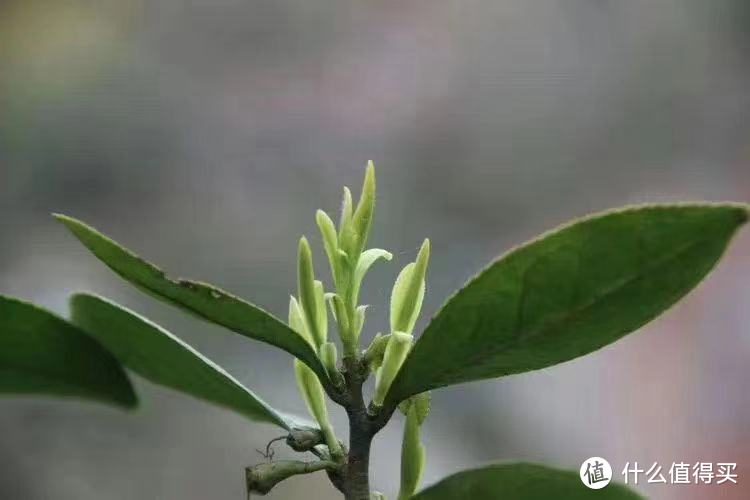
(521, 481)
(359, 320)
(366, 260)
(362, 218)
(312, 392)
(568, 293)
(413, 456)
(330, 243)
(321, 314)
(42, 354)
(160, 357)
(419, 401)
(205, 301)
(408, 292)
(297, 320)
(396, 351)
(308, 292)
(347, 234)
(373, 355)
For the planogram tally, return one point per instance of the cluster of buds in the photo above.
(308, 316)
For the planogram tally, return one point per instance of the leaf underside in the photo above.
(568, 293)
(206, 301)
(164, 359)
(521, 481)
(42, 354)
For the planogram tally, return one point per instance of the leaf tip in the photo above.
(424, 251)
(304, 247)
(370, 174)
(743, 210)
(68, 221)
(739, 210)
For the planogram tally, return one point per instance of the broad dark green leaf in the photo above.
(164, 359)
(568, 293)
(203, 300)
(521, 481)
(41, 353)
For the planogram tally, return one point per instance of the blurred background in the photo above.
(204, 134)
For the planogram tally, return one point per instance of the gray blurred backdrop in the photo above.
(204, 133)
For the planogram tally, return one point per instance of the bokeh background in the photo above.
(204, 134)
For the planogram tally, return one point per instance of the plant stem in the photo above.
(355, 483)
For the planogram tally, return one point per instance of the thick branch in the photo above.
(356, 482)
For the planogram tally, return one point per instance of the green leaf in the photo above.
(41, 353)
(203, 300)
(568, 293)
(158, 356)
(521, 481)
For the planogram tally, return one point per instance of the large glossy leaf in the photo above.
(41, 353)
(568, 293)
(164, 359)
(521, 481)
(205, 301)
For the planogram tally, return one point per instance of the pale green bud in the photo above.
(297, 321)
(342, 319)
(359, 322)
(347, 235)
(312, 392)
(330, 243)
(419, 401)
(412, 457)
(373, 356)
(408, 292)
(328, 356)
(338, 308)
(306, 290)
(395, 353)
(366, 260)
(321, 313)
(362, 219)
